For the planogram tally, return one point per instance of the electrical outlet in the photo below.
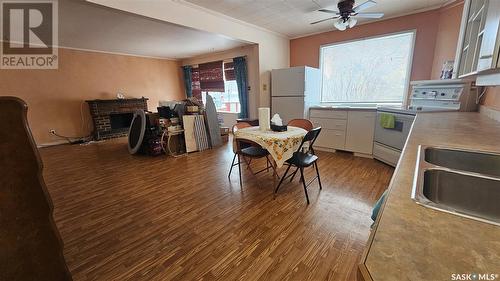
(52, 131)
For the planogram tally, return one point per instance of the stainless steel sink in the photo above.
(462, 189)
(466, 160)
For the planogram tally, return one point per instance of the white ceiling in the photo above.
(84, 25)
(293, 17)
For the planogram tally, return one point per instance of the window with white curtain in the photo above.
(372, 70)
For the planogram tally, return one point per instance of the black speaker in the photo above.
(165, 112)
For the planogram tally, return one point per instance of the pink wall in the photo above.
(492, 98)
(305, 50)
(56, 98)
(447, 37)
(446, 45)
(436, 42)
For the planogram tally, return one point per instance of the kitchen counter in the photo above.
(344, 107)
(412, 242)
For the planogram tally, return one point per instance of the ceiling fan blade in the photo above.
(328, 11)
(363, 6)
(369, 15)
(323, 20)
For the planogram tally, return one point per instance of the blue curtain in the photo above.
(188, 80)
(240, 72)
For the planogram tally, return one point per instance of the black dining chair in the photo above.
(247, 150)
(306, 125)
(301, 160)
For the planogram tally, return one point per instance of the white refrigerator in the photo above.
(293, 91)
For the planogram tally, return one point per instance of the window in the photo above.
(227, 101)
(374, 70)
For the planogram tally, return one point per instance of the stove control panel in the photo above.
(442, 95)
(439, 93)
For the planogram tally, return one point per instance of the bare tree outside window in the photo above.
(374, 70)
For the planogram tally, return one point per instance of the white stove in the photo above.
(396, 109)
(426, 96)
(389, 142)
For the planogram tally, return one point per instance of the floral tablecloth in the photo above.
(281, 145)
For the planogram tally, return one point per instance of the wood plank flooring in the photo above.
(126, 217)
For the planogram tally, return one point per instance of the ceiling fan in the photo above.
(347, 13)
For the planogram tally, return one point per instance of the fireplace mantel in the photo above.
(103, 110)
(117, 100)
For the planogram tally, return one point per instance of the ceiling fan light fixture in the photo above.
(344, 17)
(352, 22)
(340, 24)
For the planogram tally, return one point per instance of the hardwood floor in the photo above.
(126, 217)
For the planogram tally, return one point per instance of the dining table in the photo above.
(280, 145)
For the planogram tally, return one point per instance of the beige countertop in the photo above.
(344, 107)
(412, 242)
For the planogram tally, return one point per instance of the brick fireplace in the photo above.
(112, 118)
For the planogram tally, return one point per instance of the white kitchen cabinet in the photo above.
(479, 43)
(350, 130)
(331, 124)
(470, 37)
(328, 113)
(492, 79)
(360, 131)
(331, 139)
(490, 47)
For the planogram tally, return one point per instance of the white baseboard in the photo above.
(385, 161)
(490, 112)
(364, 155)
(326, 149)
(319, 148)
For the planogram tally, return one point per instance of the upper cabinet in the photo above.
(478, 46)
(488, 55)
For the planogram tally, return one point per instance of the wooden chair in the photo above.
(31, 245)
(247, 149)
(303, 160)
(301, 123)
